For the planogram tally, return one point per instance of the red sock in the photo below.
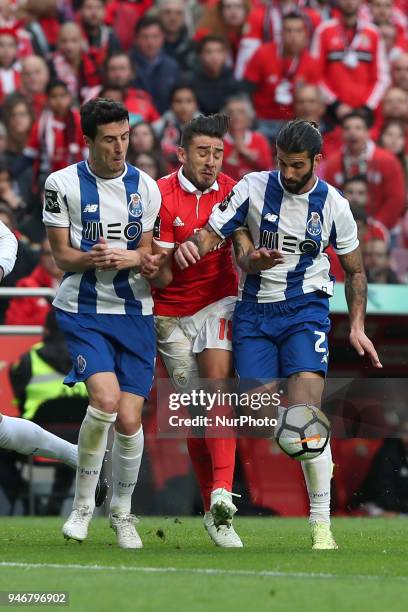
(222, 451)
(201, 460)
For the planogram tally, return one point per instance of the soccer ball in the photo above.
(302, 432)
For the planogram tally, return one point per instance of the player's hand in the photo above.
(363, 345)
(100, 255)
(186, 254)
(263, 259)
(151, 264)
(122, 259)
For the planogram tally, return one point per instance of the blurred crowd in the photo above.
(341, 63)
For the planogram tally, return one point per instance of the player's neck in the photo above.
(309, 184)
(103, 172)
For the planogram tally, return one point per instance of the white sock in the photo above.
(93, 437)
(28, 438)
(318, 473)
(127, 454)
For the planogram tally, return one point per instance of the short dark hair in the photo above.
(179, 86)
(213, 125)
(211, 38)
(294, 15)
(357, 178)
(356, 114)
(53, 84)
(100, 111)
(300, 135)
(146, 22)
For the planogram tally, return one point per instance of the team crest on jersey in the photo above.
(314, 225)
(81, 364)
(135, 207)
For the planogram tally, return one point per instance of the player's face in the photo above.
(107, 152)
(297, 170)
(202, 161)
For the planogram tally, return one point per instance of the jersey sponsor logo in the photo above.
(114, 231)
(288, 244)
(314, 225)
(309, 247)
(224, 204)
(91, 208)
(135, 207)
(178, 222)
(157, 228)
(51, 201)
(80, 364)
(271, 217)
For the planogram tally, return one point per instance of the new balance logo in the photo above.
(91, 208)
(178, 222)
(271, 217)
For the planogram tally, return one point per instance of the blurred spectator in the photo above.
(225, 18)
(149, 163)
(177, 40)
(393, 138)
(144, 140)
(33, 310)
(34, 79)
(10, 72)
(244, 150)
(123, 15)
(56, 139)
(394, 46)
(3, 139)
(264, 24)
(360, 155)
(395, 105)
(384, 12)
(183, 108)
(156, 72)
(112, 92)
(18, 119)
(271, 75)
(7, 194)
(377, 262)
(308, 104)
(27, 254)
(101, 40)
(399, 72)
(355, 190)
(385, 488)
(212, 80)
(70, 63)
(119, 73)
(353, 64)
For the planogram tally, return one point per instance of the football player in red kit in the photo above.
(194, 307)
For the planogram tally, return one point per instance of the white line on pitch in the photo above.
(198, 570)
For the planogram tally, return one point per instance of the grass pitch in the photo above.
(180, 569)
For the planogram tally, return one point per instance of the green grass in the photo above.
(368, 573)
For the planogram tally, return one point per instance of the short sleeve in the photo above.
(163, 234)
(343, 235)
(232, 212)
(55, 210)
(153, 206)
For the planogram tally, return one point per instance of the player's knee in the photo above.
(106, 401)
(128, 424)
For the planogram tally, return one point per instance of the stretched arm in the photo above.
(196, 246)
(253, 260)
(356, 296)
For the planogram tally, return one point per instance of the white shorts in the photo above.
(179, 339)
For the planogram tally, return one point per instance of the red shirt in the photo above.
(30, 310)
(140, 106)
(386, 182)
(353, 65)
(184, 211)
(275, 78)
(236, 166)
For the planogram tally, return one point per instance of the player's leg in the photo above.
(28, 438)
(175, 349)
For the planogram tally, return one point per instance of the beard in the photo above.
(297, 186)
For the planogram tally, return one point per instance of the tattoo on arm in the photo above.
(205, 240)
(355, 286)
(243, 246)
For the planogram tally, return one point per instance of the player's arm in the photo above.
(8, 250)
(196, 246)
(107, 258)
(66, 256)
(356, 296)
(157, 266)
(250, 259)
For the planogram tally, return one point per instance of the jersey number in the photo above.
(318, 344)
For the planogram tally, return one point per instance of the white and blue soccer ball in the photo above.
(302, 431)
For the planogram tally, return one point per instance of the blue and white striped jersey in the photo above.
(300, 226)
(118, 209)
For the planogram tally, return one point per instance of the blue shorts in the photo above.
(277, 339)
(123, 344)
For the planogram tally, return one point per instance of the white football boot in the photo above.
(222, 535)
(76, 526)
(123, 524)
(322, 537)
(222, 507)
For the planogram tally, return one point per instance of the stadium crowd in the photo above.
(342, 63)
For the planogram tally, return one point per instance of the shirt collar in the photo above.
(188, 185)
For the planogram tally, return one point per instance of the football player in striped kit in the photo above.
(99, 216)
(281, 319)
